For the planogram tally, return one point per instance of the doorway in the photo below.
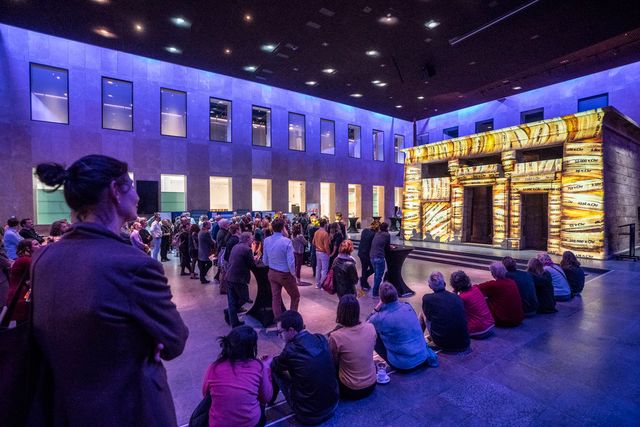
(534, 208)
(477, 219)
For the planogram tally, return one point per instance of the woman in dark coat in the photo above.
(574, 273)
(345, 274)
(544, 287)
(102, 312)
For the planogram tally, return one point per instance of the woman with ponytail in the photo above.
(102, 312)
(238, 382)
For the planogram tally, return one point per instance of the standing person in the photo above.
(304, 371)
(561, 288)
(194, 231)
(299, 244)
(345, 273)
(364, 249)
(5, 266)
(544, 287)
(156, 235)
(238, 376)
(221, 240)
(322, 244)
(12, 237)
(526, 287)
(278, 256)
(480, 322)
(314, 225)
(238, 277)
(184, 234)
(336, 238)
(135, 239)
(165, 241)
(205, 248)
(27, 231)
(503, 297)
(109, 315)
(573, 272)
(144, 233)
(380, 247)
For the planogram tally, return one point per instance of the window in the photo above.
(397, 197)
(297, 134)
(378, 201)
(355, 200)
(117, 104)
(261, 126)
(484, 126)
(451, 132)
(327, 199)
(423, 138)
(220, 193)
(532, 115)
(260, 194)
(378, 145)
(49, 94)
(50, 205)
(173, 189)
(593, 102)
(398, 144)
(353, 135)
(173, 112)
(327, 136)
(219, 120)
(297, 196)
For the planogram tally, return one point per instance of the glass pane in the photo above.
(328, 199)
(378, 201)
(172, 193)
(261, 126)
(219, 120)
(296, 196)
(378, 145)
(173, 112)
(532, 116)
(398, 144)
(49, 94)
(355, 197)
(484, 126)
(354, 141)
(220, 193)
(593, 102)
(327, 137)
(261, 194)
(117, 104)
(296, 132)
(450, 132)
(423, 138)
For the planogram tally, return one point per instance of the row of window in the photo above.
(51, 206)
(50, 103)
(529, 116)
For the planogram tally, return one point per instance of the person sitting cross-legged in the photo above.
(480, 322)
(304, 371)
(525, 284)
(502, 296)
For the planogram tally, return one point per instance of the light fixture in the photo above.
(472, 63)
(311, 83)
(247, 17)
(516, 87)
(381, 84)
(270, 47)
(102, 1)
(375, 82)
(173, 49)
(564, 61)
(181, 22)
(356, 95)
(398, 106)
(372, 53)
(227, 51)
(388, 19)
(109, 82)
(431, 24)
(329, 70)
(324, 44)
(421, 97)
(138, 27)
(250, 68)
(104, 32)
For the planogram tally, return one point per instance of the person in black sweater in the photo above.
(366, 238)
(241, 262)
(544, 286)
(575, 274)
(525, 284)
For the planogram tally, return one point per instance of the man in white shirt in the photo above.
(156, 235)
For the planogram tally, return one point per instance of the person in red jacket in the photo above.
(503, 297)
(19, 275)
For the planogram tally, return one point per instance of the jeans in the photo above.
(378, 268)
(204, 267)
(367, 270)
(322, 267)
(156, 247)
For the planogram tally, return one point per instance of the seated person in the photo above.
(525, 285)
(352, 346)
(445, 316)
(544, 288)
(503, 297)
(400, 341)
(480, 321)
(305, 372)
(573, 272)
(238, 376)
(561, 289)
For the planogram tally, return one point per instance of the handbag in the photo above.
(200, 415)
(327, 283)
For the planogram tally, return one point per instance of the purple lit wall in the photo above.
(26, 143)
(621, 83)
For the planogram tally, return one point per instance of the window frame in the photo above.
(66, 70)
(360, 148)
(230, 119)
(396, 150)
(523, 114)
(588, 98)
(334, 136)
(304, 131)
(103, 78)
(482, 122)
(444, 132)
(253, 144)
(186, 112)
(373, 131)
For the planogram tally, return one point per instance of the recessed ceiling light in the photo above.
(381, 84)
(181, 22)
(388, 20)
(104, 32)
(138, 27)
(268, 47)
(428, 40)
(296, 69)
(102, 1)
(311, 83)
(247, 17)
(535, 36)
(564, 61)
(227, 51)
(173, 49)
(516, 87)
(375, 82)
(329, 70)
(372, 53)
(472, 63)
(421, 97)
(505, 81)
(398, 106)
(324, 44)
(250, 68)
(460, 96)
(431, 24)
(356, 95)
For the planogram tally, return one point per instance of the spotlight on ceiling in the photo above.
(329, 70)
(398, 106)
(421, 97)
(181, 22)
(516, 87)
(173, 49)
(250, 68)
(431, 24)
(388, 19)
(138, 27)
(247, 17)
(381, 84)
(227, 51)
(311, 83)
(373, 53)
(104, 32)
(356, 95)
(269, 47)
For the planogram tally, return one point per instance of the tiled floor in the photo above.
(576, 367)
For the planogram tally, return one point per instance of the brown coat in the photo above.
(99, 308)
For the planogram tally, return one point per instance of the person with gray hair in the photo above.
(503, 297)
(238, 276)
(443, 314)
(399, 338)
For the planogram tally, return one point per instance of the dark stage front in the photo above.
(478, 215)
(535, 220)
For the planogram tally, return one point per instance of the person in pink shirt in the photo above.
(238, 382)
(480, 322)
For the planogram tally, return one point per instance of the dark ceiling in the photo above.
(527, 43)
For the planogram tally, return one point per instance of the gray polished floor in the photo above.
(576, 367)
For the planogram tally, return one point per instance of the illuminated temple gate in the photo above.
(559, 184)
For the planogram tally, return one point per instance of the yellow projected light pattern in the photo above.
(433, 207)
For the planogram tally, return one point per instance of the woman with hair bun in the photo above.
(102, 312)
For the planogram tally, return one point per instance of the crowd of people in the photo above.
(114, 296)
